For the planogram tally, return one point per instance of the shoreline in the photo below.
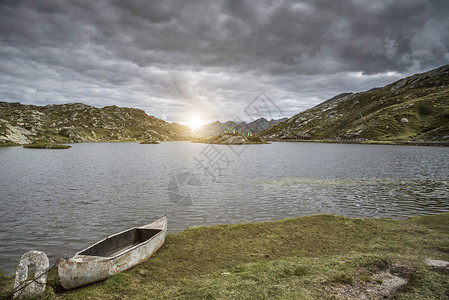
(390, 143)
(317, 256)
(393, 143)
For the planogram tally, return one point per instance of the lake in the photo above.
(61, 201)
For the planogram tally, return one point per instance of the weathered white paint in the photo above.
(84, 269)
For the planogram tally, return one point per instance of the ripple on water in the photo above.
(77, 197)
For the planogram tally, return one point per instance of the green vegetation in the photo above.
(370, 142)
(313, 257)
(8, 144)
(254, 139)
(46, 145)
(203, 139)
(412, 109)
(224, 139)
(77, 122)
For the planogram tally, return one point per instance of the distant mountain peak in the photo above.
(256, 126)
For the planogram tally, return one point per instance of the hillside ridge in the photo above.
(78, 122)
(415, 108)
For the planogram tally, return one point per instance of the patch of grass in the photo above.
(254, 139)
(8, 144)
(46, 146)
(6, 285)
(343, 279)
(118, 282)
(426, 284)
(310, 257)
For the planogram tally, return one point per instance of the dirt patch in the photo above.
(380, 285)
(442, 250)
(437, 250)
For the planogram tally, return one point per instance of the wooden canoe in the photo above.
(112, 255)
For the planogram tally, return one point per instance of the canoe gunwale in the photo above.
(120, 253)
(81, 270)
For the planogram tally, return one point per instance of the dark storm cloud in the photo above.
(175, 58)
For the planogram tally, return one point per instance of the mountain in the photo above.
(77, 122)
(217, 128)
(414, 108)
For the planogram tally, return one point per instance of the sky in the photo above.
(201, 61)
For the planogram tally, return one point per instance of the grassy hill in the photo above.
(77, 122)
(415, 108)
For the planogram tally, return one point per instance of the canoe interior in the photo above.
(120, 242)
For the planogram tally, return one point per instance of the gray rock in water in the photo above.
(31, 288)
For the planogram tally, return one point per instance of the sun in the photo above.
(195, 121)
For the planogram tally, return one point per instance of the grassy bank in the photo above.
(8, 144)
(313, 257)
(369, 142)
(46, 146)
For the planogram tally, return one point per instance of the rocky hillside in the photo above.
(415, 108)
(77, 122)
(217, 128)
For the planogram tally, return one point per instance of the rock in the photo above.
(303, 135)
(31, 288)
(437, 263)
(17, 134)
(404, 120)
(150, 141)
(67, 133)
(229, 139)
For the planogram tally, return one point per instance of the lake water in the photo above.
(61, 201)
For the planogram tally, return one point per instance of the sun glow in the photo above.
(195, 122)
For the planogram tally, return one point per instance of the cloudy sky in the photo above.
(177, 59)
